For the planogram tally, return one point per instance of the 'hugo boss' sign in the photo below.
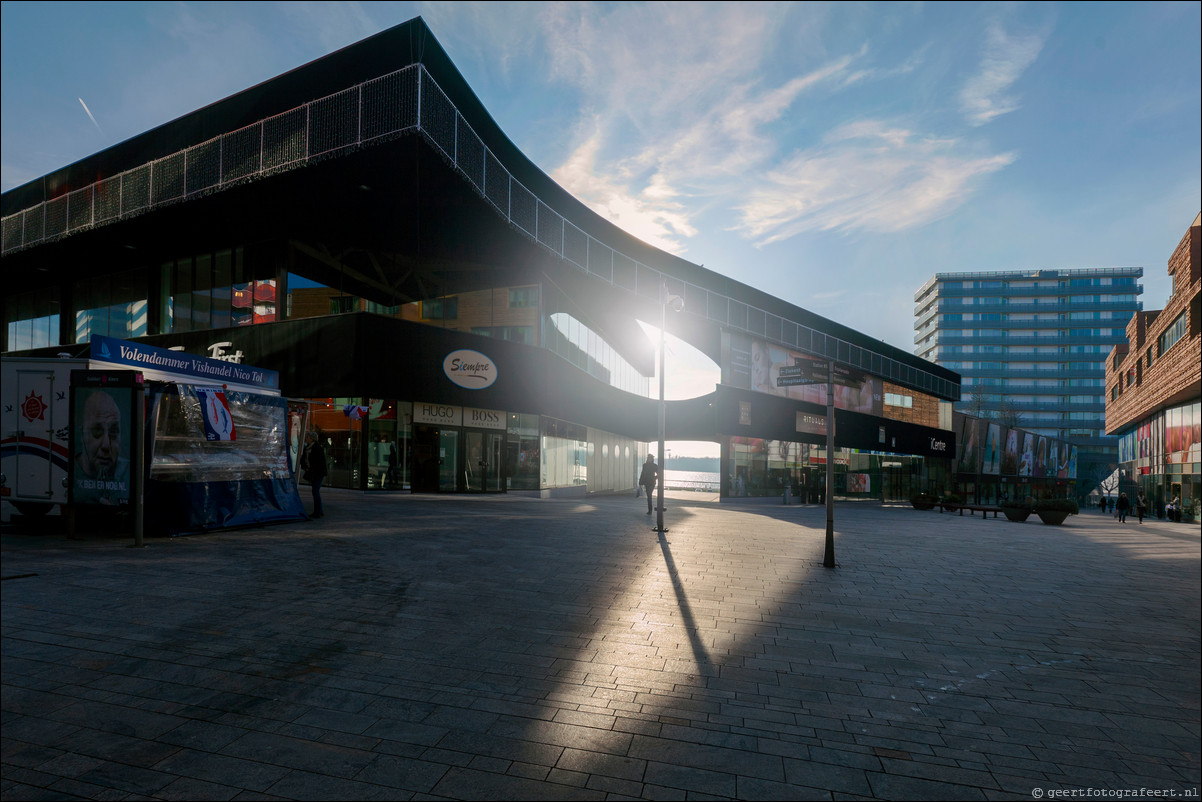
(470, 369)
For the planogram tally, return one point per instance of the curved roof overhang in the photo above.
(376, 189)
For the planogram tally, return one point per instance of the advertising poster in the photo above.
(103, 428)
(298, 424)
(993, 457)
(970, 450)
(1026, 463)
(1064, 461)
(1072, 462)
(1041, 458)
(764, 374)
(1010, 452)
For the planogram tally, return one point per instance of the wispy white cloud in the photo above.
(676, 112)
(670, 111)
(335, 25)
(868, 176)
(985, 96)
(652, 213)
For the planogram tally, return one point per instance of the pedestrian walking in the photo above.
(313, 461)
(1141, 506)
(648, 478)
(1122, 506)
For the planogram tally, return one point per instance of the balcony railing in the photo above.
(969, 292)
(931, 312)
(1037, 373)
(1054, 340)
(1050, 274)
(386, 107)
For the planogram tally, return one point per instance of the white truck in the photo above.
(35, 431)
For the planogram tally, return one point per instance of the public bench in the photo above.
(972, 509)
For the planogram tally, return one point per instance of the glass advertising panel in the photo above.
(102, 418)
(1011, 452)
(992, 463)
(1066, 462)
(776, 370)
(1026, 463)
(1041, 458)
(970, 446)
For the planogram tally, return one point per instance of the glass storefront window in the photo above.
(214, 291)
(390, 447)
(113, 305)
(342, 436)
(32, 318)
(523, 459)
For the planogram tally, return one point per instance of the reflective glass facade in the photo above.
(1031, 346)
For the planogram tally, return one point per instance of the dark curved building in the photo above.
(454, 318)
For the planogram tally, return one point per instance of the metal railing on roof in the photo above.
(410, 100)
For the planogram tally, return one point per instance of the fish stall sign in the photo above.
(469, 369)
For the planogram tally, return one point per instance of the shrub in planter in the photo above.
(952, 502)
(924, 501)
(1018, 511)
(1054, 511)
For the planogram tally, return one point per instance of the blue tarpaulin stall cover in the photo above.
(219, 458)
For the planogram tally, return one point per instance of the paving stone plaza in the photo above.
(421, 647)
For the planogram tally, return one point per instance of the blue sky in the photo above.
(836, 155)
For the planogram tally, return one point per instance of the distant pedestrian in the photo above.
(1102, 504)
(648, 478)
(1122, 506)
(313, 461)
(1141, 505)
(1173, 510)
(393, 466)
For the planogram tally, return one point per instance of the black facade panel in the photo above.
(774, 418)
(372, 356)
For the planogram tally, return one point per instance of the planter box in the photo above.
(1017, 514)
(923, 505)
(1053, 517)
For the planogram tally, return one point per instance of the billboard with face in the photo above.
(103, 429)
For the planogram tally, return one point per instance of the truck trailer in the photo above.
(35, 431)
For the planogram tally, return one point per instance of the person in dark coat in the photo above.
(648, 478)
(314, 463)
(1122, 506)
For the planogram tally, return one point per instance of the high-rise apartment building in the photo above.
(1031, 345)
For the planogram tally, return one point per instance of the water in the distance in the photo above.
(691, 480)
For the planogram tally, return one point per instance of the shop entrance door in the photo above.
(482, 461)
(435, 459)
(448, 460)
(425, 459)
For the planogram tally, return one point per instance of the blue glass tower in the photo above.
(1031, 345)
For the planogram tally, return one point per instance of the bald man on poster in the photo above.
(101, 464)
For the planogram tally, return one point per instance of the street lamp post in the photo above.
(677, 304)
(828, 557)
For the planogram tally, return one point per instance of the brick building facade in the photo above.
(1153, 389)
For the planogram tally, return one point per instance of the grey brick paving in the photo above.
(409, 647)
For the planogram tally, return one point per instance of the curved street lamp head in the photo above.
(675, 303)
